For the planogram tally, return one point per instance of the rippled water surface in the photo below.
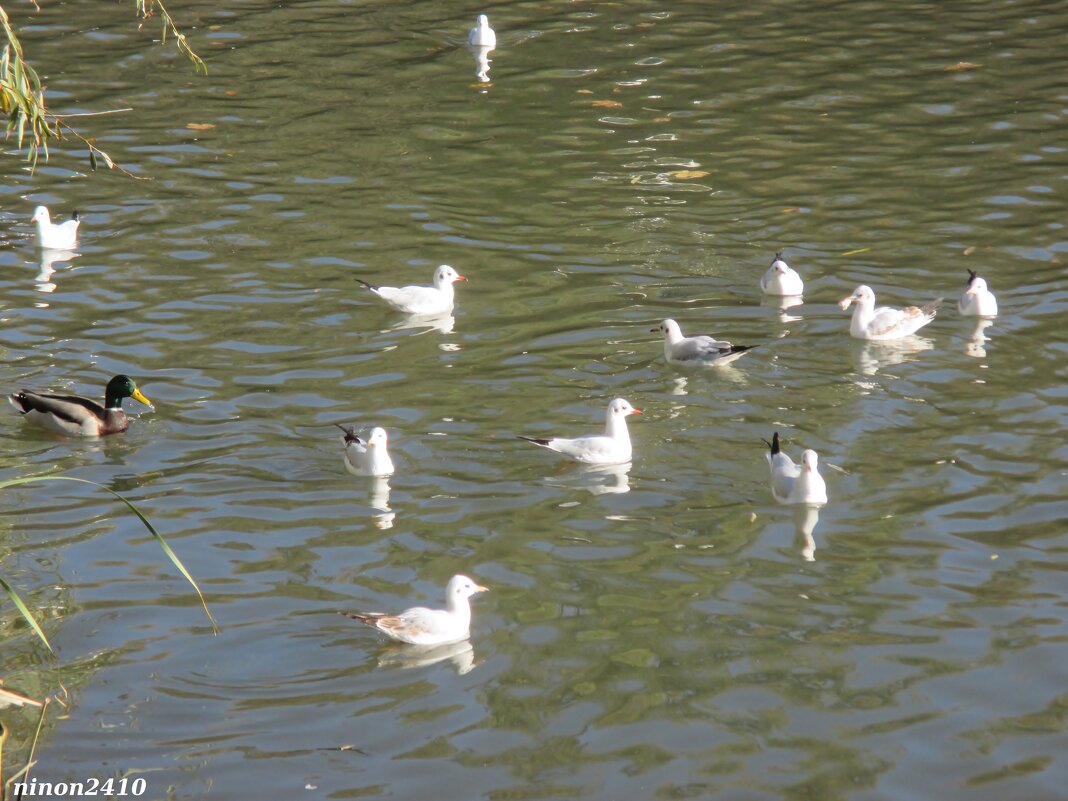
(662, 630)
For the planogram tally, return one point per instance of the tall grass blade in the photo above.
(151, 530)
(26, 613)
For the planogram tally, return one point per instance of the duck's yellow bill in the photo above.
(138, 395)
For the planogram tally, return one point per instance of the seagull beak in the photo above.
(654, 330)
(845, 302)
(480, 588)
(635, 411)
(460, 278)
(139, 396)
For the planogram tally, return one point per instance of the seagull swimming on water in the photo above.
(482, 35)
(781, 279)
(55, 236)
(422, 626)
(703, 351)
(977, 300)
(884, 323)
(368, 457)
(792, 483)
(436, 299)
(611, 447)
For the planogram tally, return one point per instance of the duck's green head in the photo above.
(120, 387)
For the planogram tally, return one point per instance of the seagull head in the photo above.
(461, 587)
(668, 328)
(446, 275)
(621, 408)
(40, 214)
(976, 283)
(809, 460)
(483, 21)
(779, 265)
(378, 436)
(863, 295)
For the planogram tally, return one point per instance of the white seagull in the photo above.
(884, 323)
(977, 300)
(435, 299)
(700, 350)
(781, 279)
(422, 626)
(56, 236)
(482, 34)
(366, 457)
(792, 483)
(611, 447)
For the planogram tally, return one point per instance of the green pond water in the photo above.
(659, 631)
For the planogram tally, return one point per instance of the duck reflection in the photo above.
(975, 346)
(874, 356)
(806, 516)
(602, 479)
(406, 657)
(49, 258)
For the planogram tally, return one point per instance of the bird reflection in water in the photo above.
(604, 479)
(781, 304)
(975, 346)
(406, 657)
(806, 516)
(874, 356)
(442, 323)
(379, 501)
(49, 258)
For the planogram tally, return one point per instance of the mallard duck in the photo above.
(422, 626)
(56, 236)
(883, 323)
(435, 299)
(76, 416)
(699, 350)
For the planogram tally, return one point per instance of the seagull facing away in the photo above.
(884, 323)
(422, 626)
(482, 34)
(792, 483)
(435, 299)
(700, 350)
(611, 447)
(977, 300)
(781, 279)
(55, 236)
(366, 457)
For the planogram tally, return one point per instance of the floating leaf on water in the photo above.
(199, 126)
(968, 251)
(662, 119)
(583, 91)
(607, 104)
(854, 252)
(963, 66)
(686, 175)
